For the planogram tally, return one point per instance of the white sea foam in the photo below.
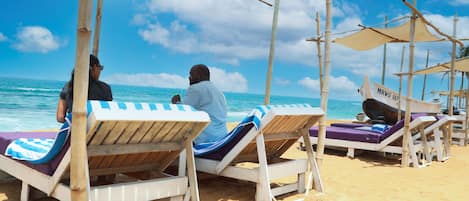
(37, 89)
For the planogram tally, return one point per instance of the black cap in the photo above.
(94, 60)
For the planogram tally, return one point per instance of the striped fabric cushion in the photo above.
(94, 105)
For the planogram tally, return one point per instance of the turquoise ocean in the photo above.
(27, 104)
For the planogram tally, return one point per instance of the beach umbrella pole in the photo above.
(271, 53)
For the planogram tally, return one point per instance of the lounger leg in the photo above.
(191, 172)
(263, 192)
(426, 149)
(182, 163)
(351, 152)
(312, 162)
(446, 140)
(413, 153)
(24, 191)
(301, 183)
(438, 145)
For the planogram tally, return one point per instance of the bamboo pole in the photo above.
(97, 27)
(318, 43)
(425, 77)
(383, 74)
(466, 130)
(461, 88)
(414, 10)
(78, 177)
(451, 87)
(406, 138)
(325, 89)
(400, 85)
(271, 54)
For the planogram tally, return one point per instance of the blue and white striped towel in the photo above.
(38, 151)
(254, 117)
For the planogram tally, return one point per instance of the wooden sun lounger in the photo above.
(280, 129)
(417, 124)
(436, 139)
(123, 141)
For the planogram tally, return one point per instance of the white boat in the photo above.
(381, 103)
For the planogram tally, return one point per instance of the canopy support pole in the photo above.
(318, 44)
(425, 77)
(78, 173)
(399, 115)
(325, 88)
(97, 28)
(271, 54)
(451, 87)
(405, 139)
(383, 74)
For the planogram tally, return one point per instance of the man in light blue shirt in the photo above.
(204, 96)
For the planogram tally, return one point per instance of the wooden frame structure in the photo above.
(385, 146)
(439, 130)
(125, 142)
(279, 130)
(459, 133)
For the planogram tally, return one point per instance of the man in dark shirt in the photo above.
(97, 90)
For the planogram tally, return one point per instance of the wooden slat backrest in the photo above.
(158, 131)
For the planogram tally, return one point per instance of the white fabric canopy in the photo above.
(370, 38)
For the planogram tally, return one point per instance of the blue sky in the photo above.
(154, 43)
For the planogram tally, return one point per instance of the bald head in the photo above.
(199, 73)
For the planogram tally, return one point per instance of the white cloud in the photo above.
(2, 37)
(445, 24)
(225, 81)
(228, 81)
(163, 80)
(36, 39)
(339, 87)
(240, 30)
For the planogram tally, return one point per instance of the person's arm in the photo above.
(61, 110)
(62, 105)
(192, 97)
